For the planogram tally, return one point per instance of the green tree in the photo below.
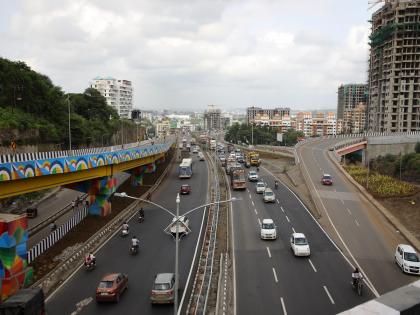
(417, 147)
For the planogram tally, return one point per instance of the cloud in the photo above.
(190, 53)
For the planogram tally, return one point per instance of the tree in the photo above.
(417, 147)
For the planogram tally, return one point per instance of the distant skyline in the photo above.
(184, 55)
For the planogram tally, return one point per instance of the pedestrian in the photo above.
(73, 204)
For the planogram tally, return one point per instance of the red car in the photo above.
(326, 179)
(185, 189)
(111, 287)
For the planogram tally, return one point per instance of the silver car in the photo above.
(268, 195)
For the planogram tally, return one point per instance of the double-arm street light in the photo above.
(177, 221)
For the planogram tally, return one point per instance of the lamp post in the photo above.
(177, 222)
(68, 105)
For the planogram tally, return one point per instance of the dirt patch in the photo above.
(46, 262)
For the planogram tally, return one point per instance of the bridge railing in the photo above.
(23, 157)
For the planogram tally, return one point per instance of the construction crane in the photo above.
(373, 3)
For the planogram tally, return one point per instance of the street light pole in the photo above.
(68, 104)
(176, 255)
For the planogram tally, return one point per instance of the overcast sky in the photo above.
(186, 54)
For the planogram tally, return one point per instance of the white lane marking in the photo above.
(252, 203)
(247, 190)
(342, 201)
(348, 210)
(313, 267)
(259, 221)
(275, 275)
(281, 208)
(250, 196)
(278, 201)
(357, 223)
(293, 230)
(255, 210)
(287, 219)
(329, 295)
(268, 251)
(283, 306)
(80, 305)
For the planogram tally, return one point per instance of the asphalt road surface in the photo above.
(366, 236)
(156, 254)
(269, 279)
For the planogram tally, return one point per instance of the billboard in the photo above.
(280, 137)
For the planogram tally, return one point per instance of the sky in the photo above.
(187, 54)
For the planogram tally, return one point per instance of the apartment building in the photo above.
(118, 94)
(394, 68)
(212, 118)
(349, 96)
(257, 113)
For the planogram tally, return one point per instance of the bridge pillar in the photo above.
(138, 172)
(99, 190)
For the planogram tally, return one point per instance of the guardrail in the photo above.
(202, 282)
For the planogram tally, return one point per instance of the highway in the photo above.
(360, 230)
(156, 254)
(269, 279)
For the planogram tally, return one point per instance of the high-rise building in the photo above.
(394, 68)
(212, 118)
(118, 94)
(254, 113)
(349, 96)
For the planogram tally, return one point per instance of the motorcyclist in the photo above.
(90, 258)
(356, 276)
(141, 213)
(135, 242)
(53, 226)
(276, 184)
(125, 226)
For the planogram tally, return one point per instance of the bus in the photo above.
(185, 168)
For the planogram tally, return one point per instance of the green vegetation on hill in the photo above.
(30, 103)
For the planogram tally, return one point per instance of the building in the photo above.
(319, 124)
(118, 94)
(212, 118)
(354, 120)
(394, 68)
(162, 128)
(256, 113)
(349, 96)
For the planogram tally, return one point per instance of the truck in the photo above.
(230, 163)
(237, 178)
(254, 158)
(212, 144)
(203, 139)
(230, 147)
(24, 302)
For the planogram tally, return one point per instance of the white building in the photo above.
(118, 94)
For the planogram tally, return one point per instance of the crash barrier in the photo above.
(202, 282)
(56, 235)
(405, 300)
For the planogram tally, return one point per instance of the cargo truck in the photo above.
(237, 178)
(24, 302)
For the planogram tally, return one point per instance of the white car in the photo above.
(407, 258)
(183, 224)
(268, 230)
(252, 176)
(260, 187)
(299, 245)
(268, 195)
(195, 150)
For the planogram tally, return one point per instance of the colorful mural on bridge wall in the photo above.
(14, 270)
(20, 170)
(138, 172)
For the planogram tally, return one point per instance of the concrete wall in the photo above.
(391, 145)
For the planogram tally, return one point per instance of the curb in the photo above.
(384, 211)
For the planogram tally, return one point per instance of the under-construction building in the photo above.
(394, 68)
(253, 112)
(349, 96)
(212, 118)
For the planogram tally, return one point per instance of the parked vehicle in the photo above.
(111, 287)
(268, 230)
(407, 259)
(24, 302)
(163, 290)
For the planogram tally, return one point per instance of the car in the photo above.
(326, 179)
(240, 159)
(201, 156)
(268, 230)
(268, 195)
(407, 259)
(195, 150)
(111, 287)
(260, 187)
(183, 224)
(185, 189)
(299, 245)
(252, 176)
(163, 290)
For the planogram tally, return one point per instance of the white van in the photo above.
(407, 258)
(268, 230)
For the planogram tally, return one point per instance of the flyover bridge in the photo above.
(88, 170)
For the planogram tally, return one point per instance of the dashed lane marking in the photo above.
(329, 295)
(312, 265)
(268, 251)
(275, 276)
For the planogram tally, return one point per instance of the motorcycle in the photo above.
(140, 219)
(134, 249)
(124, 232)
(357, 285)
(276, 185)
(89, 265)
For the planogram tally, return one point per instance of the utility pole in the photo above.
(68, 105)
